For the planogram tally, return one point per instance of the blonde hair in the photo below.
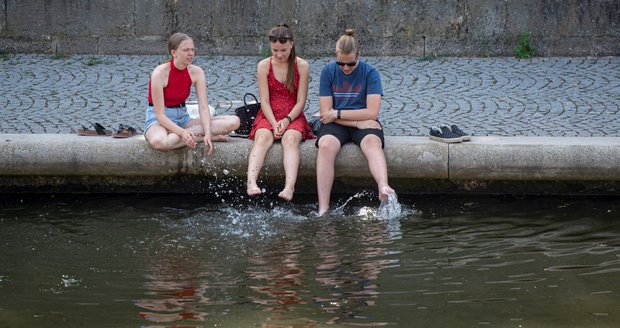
(347, 43)
(175, 41)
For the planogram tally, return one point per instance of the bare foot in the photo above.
(322, 211)
(286, 194)
(253, 189)
(384, 192)
(219, 138)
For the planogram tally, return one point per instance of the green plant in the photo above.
(524, 48)
(58, 55)
(427, 58)
(92, 61)
(485, 45)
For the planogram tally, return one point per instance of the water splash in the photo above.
(359, 195)
(70, 281)
(390, 208)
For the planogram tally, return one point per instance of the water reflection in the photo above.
(341, 283)
(184, 262)
(293, 265)
(347, 270)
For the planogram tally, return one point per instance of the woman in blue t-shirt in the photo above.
(349, 99)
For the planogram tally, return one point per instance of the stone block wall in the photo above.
(385, 27)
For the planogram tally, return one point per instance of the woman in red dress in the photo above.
(283, 89)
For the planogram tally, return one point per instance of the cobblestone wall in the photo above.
(385, 27)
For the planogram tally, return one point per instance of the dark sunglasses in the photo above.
(281, 39)
(351, 64)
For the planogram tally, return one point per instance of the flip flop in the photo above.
(124, 131)
(99, 131)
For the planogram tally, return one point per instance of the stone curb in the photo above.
(71, 163)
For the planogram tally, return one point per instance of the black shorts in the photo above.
(347, 134)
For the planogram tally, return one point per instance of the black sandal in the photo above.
(124, 131)
(99, 131)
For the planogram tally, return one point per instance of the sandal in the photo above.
(124, 131)
(99, 130)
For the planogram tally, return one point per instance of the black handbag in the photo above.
(246, 113)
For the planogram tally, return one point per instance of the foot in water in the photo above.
(390, 208)
(385, 192)
(287, 194)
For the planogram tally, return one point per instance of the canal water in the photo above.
(192, 261)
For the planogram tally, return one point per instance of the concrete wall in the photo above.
(385, 27)
(484, 165)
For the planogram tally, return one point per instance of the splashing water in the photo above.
(356, 196)
(390, 208)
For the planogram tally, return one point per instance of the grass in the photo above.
(92, 61)
(485, 46)
(524, 47)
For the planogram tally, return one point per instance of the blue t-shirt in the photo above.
(349, 91)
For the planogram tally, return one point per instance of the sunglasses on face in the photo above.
(281, 39)
(351, 64)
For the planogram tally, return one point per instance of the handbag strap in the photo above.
(246, 96)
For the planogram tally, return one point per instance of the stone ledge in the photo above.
(68, 163)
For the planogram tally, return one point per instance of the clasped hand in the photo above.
(330, 116)
(280, 128)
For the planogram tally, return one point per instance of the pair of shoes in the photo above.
(448, 134)
(456, 130)
(124, 131)
(99, 130)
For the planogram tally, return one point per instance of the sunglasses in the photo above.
(281, 39)
(351, 64)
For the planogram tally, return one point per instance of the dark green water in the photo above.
(189, 261)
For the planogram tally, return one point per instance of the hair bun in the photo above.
(350, 32)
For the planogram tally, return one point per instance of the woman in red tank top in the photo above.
(168, 125)
(283, 89)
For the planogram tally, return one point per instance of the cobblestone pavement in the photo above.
(484, 96)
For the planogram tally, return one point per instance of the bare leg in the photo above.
(263, 139)
(222, 125)
(371, 147)
(292, 154)
(329, 146)
(161, 139)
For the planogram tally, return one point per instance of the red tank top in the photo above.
(178, 88)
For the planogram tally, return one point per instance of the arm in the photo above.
(302, 95)
(354, 118)
(262, 72)
(200, 83)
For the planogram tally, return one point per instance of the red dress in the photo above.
(282, 102)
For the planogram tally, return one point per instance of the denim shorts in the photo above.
(177, 115)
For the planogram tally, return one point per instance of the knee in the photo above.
(372, 142)
(234, 123)
(263, 139)
(158, 143)
(291, 140)
(329, 144)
